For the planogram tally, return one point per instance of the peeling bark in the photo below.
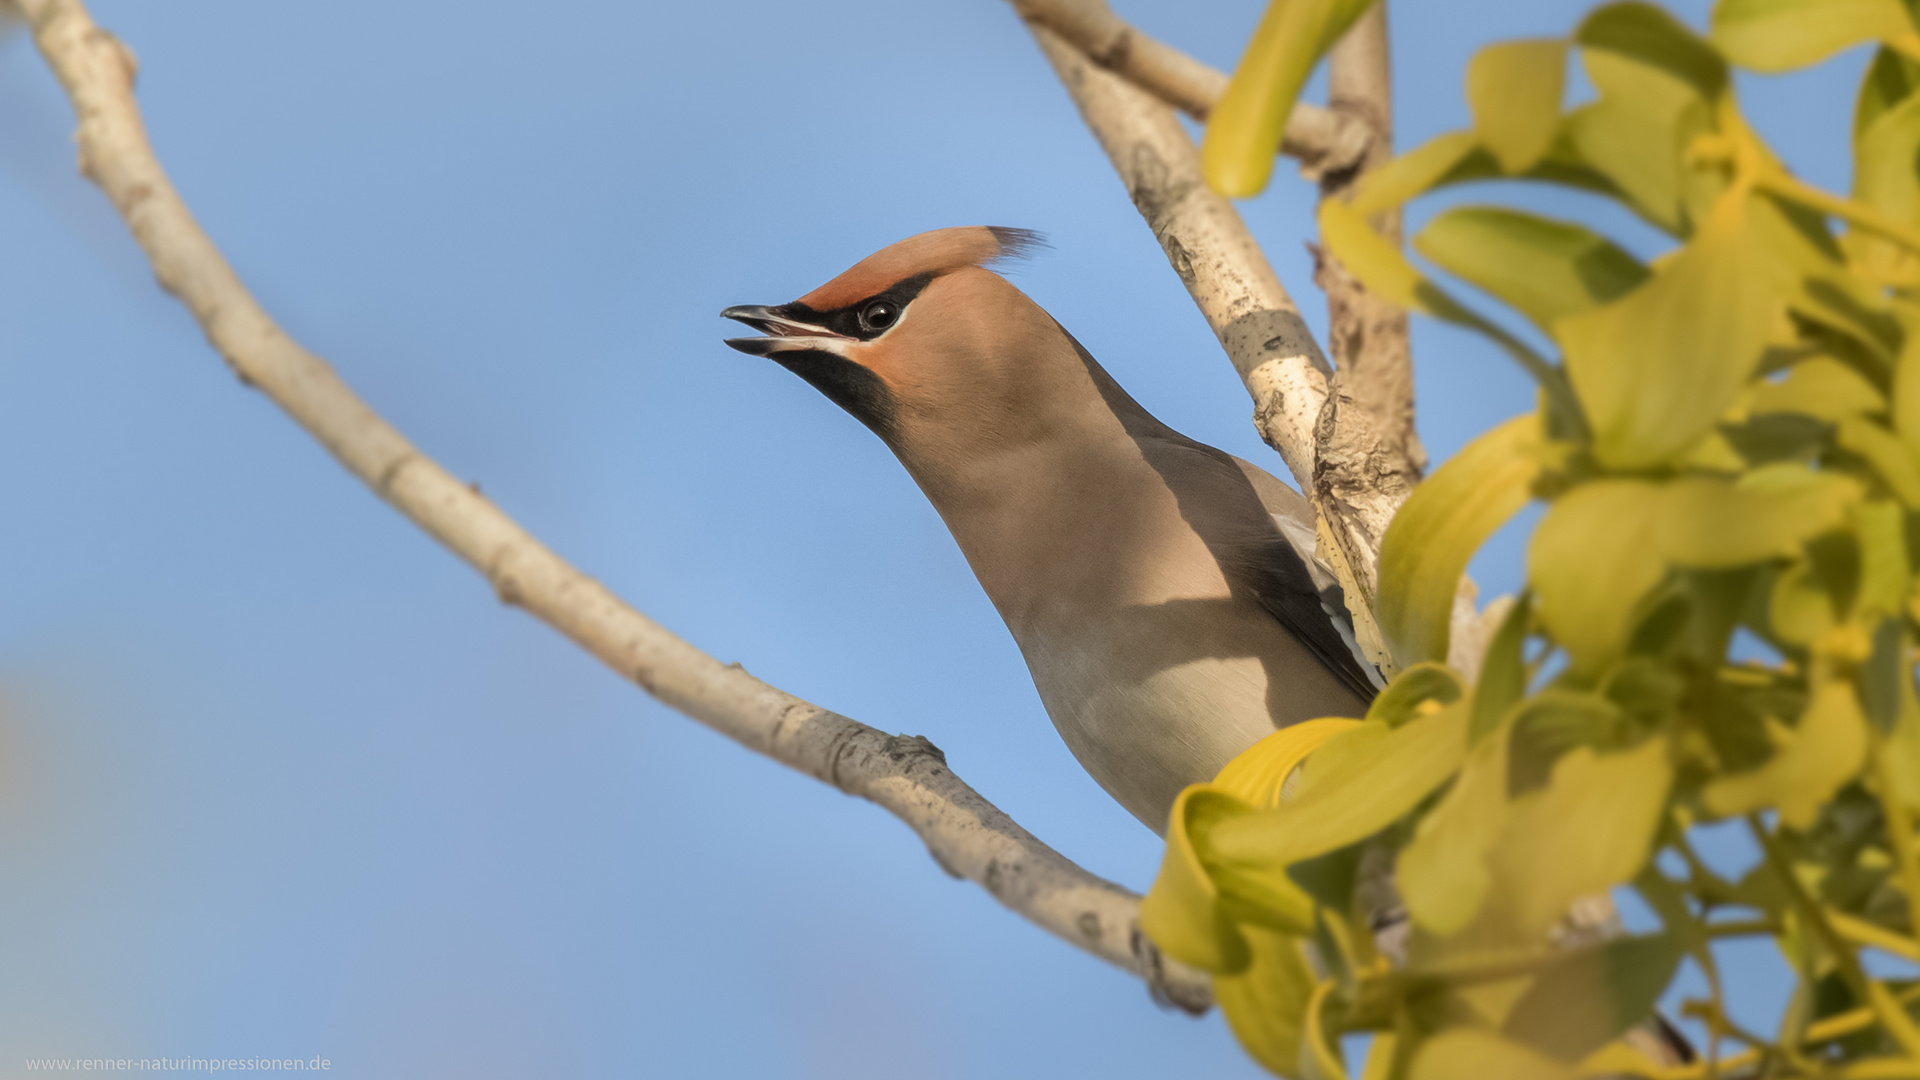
(1369, 454)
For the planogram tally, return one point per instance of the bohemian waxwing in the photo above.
(1164, 593)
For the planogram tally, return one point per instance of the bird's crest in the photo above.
(931, 253)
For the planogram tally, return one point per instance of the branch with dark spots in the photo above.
(1206, 243)
(906, 776)
(1089, 925)
(904, 748)
(384, 482)
(1322, 140)
(1369, 456)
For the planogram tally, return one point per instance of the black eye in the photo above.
(879, 314)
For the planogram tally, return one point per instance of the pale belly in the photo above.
(1145, 737)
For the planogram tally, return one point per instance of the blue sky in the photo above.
(279, 777)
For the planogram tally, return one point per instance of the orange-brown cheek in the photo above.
(889, 366)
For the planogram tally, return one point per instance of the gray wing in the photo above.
(1295, 518)
(1261, 533)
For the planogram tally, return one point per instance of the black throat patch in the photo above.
(848, 385)
(845, 383)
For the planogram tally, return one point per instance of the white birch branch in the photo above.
(1369, 455)
(1209, 247)
(906, 775)
(1323, 140)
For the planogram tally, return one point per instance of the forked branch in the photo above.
(965, 833)
(1368, 454)
(1322, 140)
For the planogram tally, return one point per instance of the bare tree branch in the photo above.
(1369, 454)
(1324, 140)
(906, 775)
(1208, 245)
(1230, 280)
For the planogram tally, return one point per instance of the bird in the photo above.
(1165, 594)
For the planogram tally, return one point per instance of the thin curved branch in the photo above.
(1323, 140)
(906, 775)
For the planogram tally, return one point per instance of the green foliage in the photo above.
(1779, 35)
(1244, 128)
(1439, 528)
(1728, 441)
(1515, 91)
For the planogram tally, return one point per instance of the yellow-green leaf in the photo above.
(1423, 688)
(1712, 454)
(1888, 673)
(1266, 1004)
(1891, 457)
(1182, 913)
(1546, 269)
(1319, 1055)
(1890, 79)
(1605, 544)
(1799, 607)
(1820, 387)
(1885, 576)
(1767, 513)
(1650, 35)
(1382, 1053)
(1503, 670)
(1463, 1053)
(1593, 558)
(1514, 89)
(1244, 128)
(1352, 787)
(1441, 525)
(1902, 748)
(1377, 263)
(1196, 906)
(1618, 1059)
(1625, 139)
(1810, 267)
(1412, 173)
(1779, 35)
(1657, 83)
(1584, 998)
(1810, 762)
(1443, 874)
(1884, 180)
(1387, 273)
(1260, 772)
(1906, 381)
(1656, 368)
(1590, 829)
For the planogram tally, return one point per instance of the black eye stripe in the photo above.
(847, 320)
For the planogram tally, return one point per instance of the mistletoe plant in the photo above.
(1727, 444)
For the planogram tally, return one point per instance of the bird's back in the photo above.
(1167, 616)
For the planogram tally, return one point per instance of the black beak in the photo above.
(783, 331)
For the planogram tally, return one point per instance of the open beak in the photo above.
(783, 332)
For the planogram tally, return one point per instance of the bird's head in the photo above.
(922, 343)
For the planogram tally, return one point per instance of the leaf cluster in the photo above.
(1727, 445)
